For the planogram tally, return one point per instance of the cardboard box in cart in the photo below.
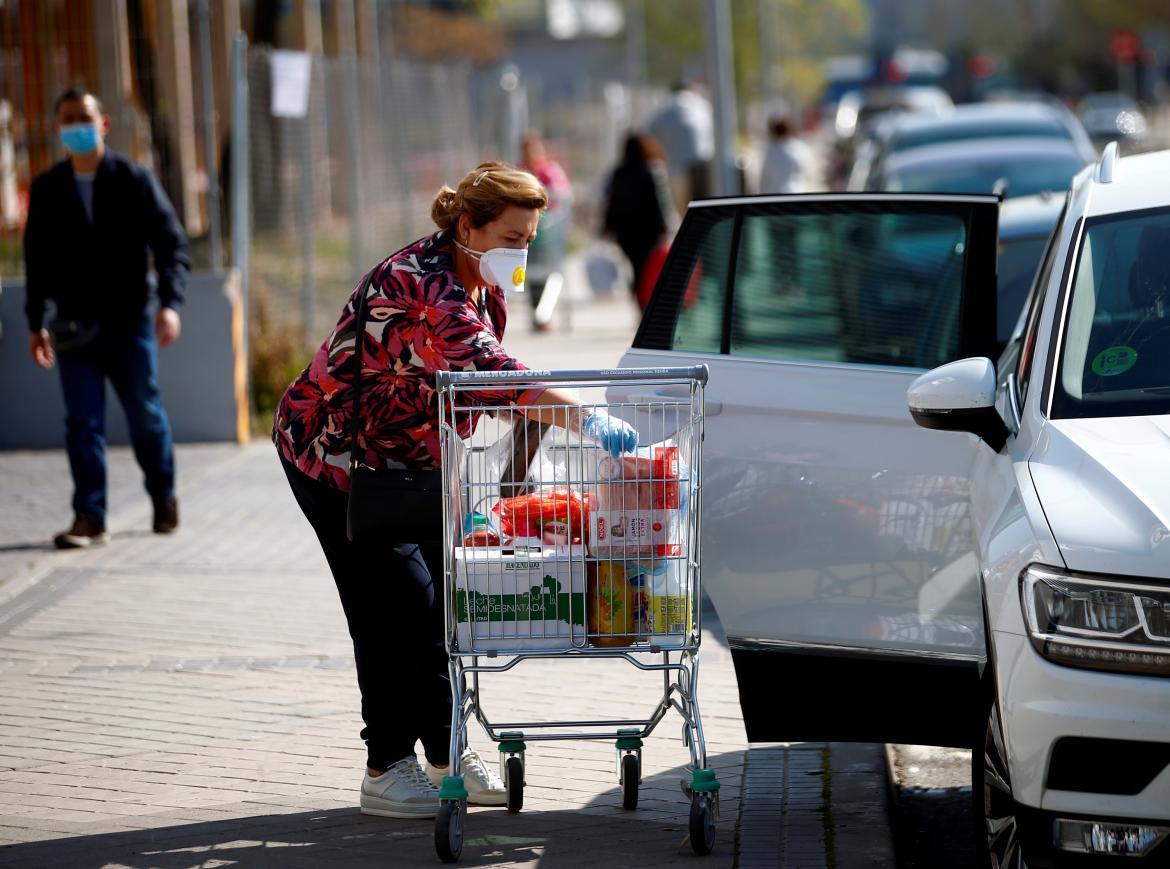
(522, 598)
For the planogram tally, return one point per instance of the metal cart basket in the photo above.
(555, 548)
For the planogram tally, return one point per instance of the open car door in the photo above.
(836, 539)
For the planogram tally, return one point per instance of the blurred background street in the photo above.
(303, 141)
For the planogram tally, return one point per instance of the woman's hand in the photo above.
(616, 436)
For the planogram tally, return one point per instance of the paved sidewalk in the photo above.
(190, 700)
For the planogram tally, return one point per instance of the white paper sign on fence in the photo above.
(290, 83)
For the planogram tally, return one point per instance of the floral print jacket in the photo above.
(419, 320)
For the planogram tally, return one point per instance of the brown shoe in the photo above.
(166, 516)
(85, 531)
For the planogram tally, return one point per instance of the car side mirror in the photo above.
(959, 396)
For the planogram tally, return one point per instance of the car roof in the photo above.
(974, 150)
(1105, 99)
(1140, 181)
(1029, 216)
(977, 114)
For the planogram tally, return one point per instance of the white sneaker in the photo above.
(402, 791)
(484, 787)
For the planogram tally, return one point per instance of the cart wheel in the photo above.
(702, 824)
(514, 779)
(631, 775)
(449, 830)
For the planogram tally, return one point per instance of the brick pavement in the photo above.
(190, 700)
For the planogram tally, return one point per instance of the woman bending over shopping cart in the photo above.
(437, 304)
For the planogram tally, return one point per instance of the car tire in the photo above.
(999, 830)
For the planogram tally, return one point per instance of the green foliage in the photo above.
(276, 357)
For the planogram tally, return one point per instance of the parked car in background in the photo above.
(1025, 224)
(969, 122)
(1005, 587)
(1010, 167)
(860, 112)
(1113, 116)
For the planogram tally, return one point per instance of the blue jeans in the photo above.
(129, 359)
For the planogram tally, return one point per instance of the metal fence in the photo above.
(337, 190)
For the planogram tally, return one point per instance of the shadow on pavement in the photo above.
(37, 546)
(598, 832)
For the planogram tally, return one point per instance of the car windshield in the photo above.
(1038, 128)
(1019, 176)
(1115, 356)
(1018, 260)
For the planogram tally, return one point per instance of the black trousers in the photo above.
(392, 596)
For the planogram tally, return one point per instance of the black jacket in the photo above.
(99, 272)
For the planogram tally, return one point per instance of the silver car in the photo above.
(1004, 586)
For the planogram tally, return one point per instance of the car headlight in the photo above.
(1100, 623)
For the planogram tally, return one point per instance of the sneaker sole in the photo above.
(386, 809)
(474, 799)
(487, 799)
(70, 541)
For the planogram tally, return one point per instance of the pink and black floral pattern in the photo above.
(419, 320)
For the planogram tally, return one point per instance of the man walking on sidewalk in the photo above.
(91, 219)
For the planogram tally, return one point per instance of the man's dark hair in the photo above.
(77, 95)
(780, 127)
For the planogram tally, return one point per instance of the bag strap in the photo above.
(359, 338)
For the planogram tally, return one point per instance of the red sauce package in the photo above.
(554, 515)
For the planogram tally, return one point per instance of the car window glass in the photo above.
(1115, 350)
(687, 310)
(1016, 175)
(1018, 260)
(1039, 289)
(860, 287)
(1032, 128)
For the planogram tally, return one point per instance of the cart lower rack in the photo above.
(556, 548)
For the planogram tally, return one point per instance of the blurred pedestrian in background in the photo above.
(436, 305)
(685, 128)
(639, 212)
(91, 220)
(787, 160)
(547, 251)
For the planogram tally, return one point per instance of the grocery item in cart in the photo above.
(615, 600)
(554, 515)
(519, 598)
(635, 505)
(478, 531)
(668, 599)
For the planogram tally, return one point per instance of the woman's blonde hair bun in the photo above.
(485, 192)
(445, 210)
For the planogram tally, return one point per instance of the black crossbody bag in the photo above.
(392, 505)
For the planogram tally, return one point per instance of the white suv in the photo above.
(882, 582)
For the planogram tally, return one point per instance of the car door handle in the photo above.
(669, 393)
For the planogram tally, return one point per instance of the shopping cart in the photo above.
(554, 548)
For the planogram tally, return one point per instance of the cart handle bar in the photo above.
(573, 375)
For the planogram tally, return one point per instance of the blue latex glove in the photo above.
(616, 436)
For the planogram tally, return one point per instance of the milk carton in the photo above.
(520, 598)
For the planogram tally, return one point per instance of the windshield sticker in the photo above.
(1114, 361)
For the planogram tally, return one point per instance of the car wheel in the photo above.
(998, 826)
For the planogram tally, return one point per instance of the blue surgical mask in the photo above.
(80, 139)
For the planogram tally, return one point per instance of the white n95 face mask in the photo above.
(502, 266)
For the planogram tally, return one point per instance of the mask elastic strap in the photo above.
(475, 253)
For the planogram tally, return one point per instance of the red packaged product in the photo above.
(555, 515)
